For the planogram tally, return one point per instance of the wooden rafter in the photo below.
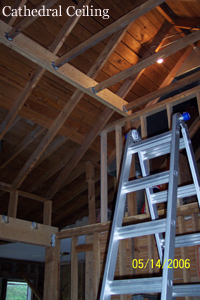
(163, 91)
(66, 111)
(19, 3)
(187, 23)
(104, 33)
(68, 73)
(25, 22)
(54, 48)
(175, 47)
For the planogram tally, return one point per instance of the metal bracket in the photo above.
(8, 38)
(53, 240)
(34, 225)
(54, 66)
(5, 219)
(93, 89)
(124, 109)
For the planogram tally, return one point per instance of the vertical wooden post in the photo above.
(104, 178)
(52, 272)
(96, 264)
(131, 197)
(169, 115)
(195, 225)
(47, 213)
(198, 101)
(184, 252)
(91, 191)
(74, 269)
(89, 270)
(13, 202)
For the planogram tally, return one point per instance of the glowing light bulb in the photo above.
(160, 61)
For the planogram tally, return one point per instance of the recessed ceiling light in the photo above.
(160, 60)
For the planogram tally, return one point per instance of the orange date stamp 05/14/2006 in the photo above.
(170, 263)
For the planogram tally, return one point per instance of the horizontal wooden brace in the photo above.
(16, 230)
(41, 56)
(84, 248)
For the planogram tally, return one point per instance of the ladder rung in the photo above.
(134, 286)
(148, 286)
(154, 141)
(192, 239)
(183, 191)
(146, 228)
(146, 182)
(160, 150)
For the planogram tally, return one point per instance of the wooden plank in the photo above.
(182, 97)
(170, 77)
(74, 269)
(68, 73)
(194, 127)
(118, 145)
(91, 192)
(80, 151)
(54, 48)
(19, 3)
(21, 231)
(112, 28)
(169, 115)
(175, 47)
(187, 23)
(105, 226)
(22, 145)
(84, 248)
(89, 270)
(32, 287)
(129, 82)
(25, 22)
(47, 213)
(104, 178)
(96, 264)
(13, 202)
(198, 101)
(52, 272)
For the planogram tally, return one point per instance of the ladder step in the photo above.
(160, 150)
(146, 182)
(183, 191)
(187, 240)
(150, 142)
(131, 231)
(148, 286)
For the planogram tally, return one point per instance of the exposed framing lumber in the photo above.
(89, 269)
(155, 108)
(70, 105)
(22, 145)
(17, 230)
(180, 44)
(80, 151)
(187, 23)
(96, 264)
(68, 73)
(104, 178)
(25, 22)
(84, 248)
(74, 269)
(163, 91)
(52, 272)
(13, 202)
(172, 73)
(19, 3)
(104, 33)
(54, 48)
(47, 213)
(34, 290)
(91, 192)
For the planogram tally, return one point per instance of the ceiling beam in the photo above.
(164, 91)
(66, 111)
(175, 47)
(68, 73)
(26, 21)
(19, 3)
(104, 33)
(187, 23)
(27, 90)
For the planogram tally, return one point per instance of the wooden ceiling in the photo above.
(48, 158)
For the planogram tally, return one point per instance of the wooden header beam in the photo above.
(39, 55)
(104, 33)
(17, 230)
(180, 44)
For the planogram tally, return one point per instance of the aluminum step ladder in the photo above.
(169, 142)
